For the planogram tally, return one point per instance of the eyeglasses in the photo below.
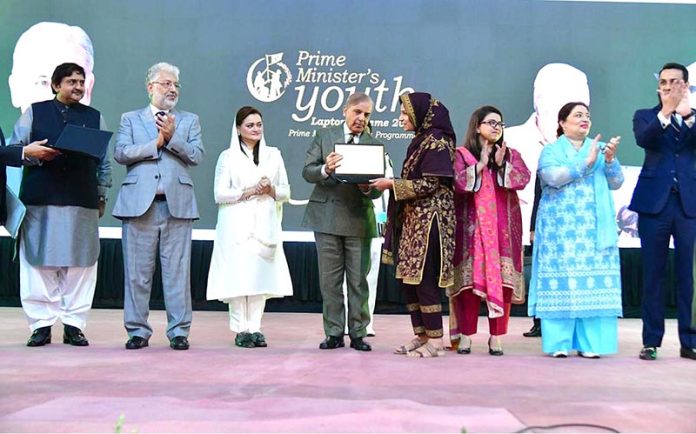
(494, 124)
(168, 84)
(671, 82)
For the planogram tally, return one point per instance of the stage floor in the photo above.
(293, 386)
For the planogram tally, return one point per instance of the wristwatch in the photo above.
(689, 115)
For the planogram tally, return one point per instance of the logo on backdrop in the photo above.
(322, 83)
(268, 78)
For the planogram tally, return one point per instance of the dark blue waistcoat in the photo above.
(69, 179)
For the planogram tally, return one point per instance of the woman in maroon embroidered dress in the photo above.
(488, 252)
(420, 230)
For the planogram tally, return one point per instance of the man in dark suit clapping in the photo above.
(665, 200)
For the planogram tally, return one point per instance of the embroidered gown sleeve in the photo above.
(405, 189)
(466, 179)
(514, 174)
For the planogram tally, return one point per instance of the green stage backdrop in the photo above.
(298, 60)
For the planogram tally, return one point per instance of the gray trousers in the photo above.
(141, 239)
(338, 256)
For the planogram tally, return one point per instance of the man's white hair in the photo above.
(160, 67)
(53, 36)
(557, 79)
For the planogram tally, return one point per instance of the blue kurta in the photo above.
(576, 271)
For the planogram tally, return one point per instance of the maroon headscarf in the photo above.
(432, 122)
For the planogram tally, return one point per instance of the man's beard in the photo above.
(168, 104)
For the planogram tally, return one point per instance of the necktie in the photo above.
(351, 138)
(674, 122)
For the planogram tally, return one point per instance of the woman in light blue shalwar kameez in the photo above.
(576, 281)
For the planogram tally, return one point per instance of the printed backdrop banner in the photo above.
(298, 61)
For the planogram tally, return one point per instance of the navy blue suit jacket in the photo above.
(11, 156)
(668, 155)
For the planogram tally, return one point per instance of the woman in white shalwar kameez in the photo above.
(248, 265)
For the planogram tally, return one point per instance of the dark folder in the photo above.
(15, 212)
(83, 140)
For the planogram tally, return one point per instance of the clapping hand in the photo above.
(675, 99)
(484, 159)
(165, 126)
(684, 106)
(610, 149)
(594, 151)
(500, 154)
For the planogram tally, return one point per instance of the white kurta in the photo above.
(248, 257)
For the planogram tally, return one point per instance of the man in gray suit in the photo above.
(157, 205)
(342, 218)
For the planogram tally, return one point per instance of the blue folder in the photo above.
(83, 140)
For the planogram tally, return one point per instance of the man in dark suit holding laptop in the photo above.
(342, 218)
(665, 200)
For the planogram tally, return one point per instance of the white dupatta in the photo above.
(265, 232)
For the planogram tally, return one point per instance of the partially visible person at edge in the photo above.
(665, 200)
(420, 229)
(251, 185)
(488, 238)
(575, 287)
(15, 156)
(535, 331)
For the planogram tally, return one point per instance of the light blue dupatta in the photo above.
(563, 153)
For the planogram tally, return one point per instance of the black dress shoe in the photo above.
(497, 350)
(360, 345)
(136, 343)
(179, 343)
(74, 336)
(40, 337)
(534, 332)
(332, 342)
(648, 353)
(244, 340)
(687, 353)
(259, 340)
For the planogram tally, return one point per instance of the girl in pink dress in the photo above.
(488, 237)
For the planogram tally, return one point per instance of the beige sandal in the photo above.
(404, 349)
(426, 351)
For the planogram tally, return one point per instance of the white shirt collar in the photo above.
(347, 132)
(155, 110)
